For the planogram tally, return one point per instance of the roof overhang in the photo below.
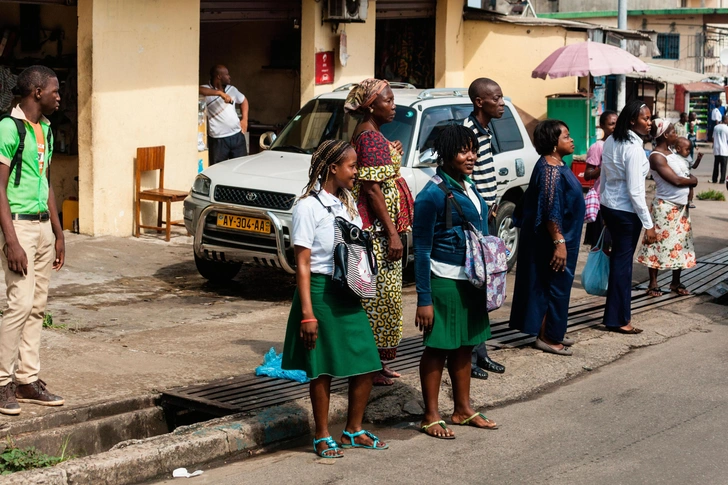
(669, 75)
(574, 25)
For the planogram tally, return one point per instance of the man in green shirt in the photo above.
(31, 238)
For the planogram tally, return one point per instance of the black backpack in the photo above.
(17, 160)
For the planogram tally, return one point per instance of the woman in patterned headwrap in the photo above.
(674, 247)
(386, 207)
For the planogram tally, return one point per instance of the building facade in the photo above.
(131, 71)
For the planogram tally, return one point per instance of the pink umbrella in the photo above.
(587, 58)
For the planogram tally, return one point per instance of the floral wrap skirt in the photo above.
(674, 247)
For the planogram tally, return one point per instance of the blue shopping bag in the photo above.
(595, 277)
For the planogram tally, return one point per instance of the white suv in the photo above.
(240, 210)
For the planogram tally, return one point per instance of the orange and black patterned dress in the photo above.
(378, 161)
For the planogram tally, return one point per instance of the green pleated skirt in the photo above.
(345, 346)
(461, 315)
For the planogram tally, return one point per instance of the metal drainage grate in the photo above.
(249, 392)
(254, 198)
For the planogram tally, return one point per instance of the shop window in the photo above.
(669, 46)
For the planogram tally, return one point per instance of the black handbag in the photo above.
(355, 268)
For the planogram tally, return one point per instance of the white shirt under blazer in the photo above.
(313, 228)
(622, 182)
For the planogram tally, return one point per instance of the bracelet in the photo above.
(559, 241)
(309, 320)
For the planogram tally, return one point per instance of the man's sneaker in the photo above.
(8, 403)
(36, 393)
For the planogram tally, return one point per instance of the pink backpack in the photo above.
(486, 257)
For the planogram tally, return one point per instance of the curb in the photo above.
(137, 461)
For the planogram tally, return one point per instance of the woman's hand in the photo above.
(650, 236)
(558, 261)
(397, 145)
(395, 248)
(309, 333)
(424, 318)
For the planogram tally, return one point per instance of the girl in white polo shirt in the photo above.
(328, 333)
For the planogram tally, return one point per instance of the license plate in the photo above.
(243, 223)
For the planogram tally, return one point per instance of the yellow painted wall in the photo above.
(318, 37)
(273, 94)
(449, 48)
(138, 79)
(509, 53)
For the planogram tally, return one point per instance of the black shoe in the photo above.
(491, 365)
(478, 373)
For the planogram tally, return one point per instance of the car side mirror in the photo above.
(428, 158)
(266, 140)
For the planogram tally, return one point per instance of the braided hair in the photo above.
(629, 113)
(451, 140)
(328, 153)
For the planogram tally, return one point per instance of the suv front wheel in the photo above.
(215, 271)
(507, 231)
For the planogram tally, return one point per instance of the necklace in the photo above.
(561, 162)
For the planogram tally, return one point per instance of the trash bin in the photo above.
(573, 109)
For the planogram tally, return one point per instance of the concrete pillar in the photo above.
(449, 48)
(318, 37)
(137, 86)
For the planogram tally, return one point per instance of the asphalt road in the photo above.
(657, 416)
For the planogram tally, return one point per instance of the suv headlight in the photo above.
(201, 186)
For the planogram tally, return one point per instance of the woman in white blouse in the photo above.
(328, 333)
(624, 208)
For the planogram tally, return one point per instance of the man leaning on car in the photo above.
(226, 134)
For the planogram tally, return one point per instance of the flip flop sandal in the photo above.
(441, 424)
(680, 290)
(653, 292)
(382, 380)
(466, 422)
(632, 331)
(333, 447)
(354, 444)
(390, 373)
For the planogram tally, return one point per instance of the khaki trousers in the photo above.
(27, 295)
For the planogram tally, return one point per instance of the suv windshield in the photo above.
(324, 119)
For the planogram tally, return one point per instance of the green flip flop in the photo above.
(442, 424)
(466, 422)
(354, 444)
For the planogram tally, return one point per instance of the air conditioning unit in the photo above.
(346, 10)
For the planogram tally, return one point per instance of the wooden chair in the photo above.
(148, 159)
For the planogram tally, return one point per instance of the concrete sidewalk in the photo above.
(139, 319)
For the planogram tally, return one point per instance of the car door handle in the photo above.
(503, 172)
(520, 167)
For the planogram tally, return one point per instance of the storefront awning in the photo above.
(669, 75)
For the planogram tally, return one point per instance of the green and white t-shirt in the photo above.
(31, 196)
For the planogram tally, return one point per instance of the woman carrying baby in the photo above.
(673, 248)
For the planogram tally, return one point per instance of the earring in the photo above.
(555, 149)
(371, 110)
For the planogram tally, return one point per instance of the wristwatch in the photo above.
(559, 241)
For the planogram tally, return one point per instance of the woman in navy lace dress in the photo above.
(551, 219)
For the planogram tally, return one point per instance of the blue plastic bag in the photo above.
(271, 367)
(595, 277)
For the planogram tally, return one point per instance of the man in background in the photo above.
(720, 150)
(488, 103)
(681, 127)
(32, 238)
(226, 133)
(716, 116)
